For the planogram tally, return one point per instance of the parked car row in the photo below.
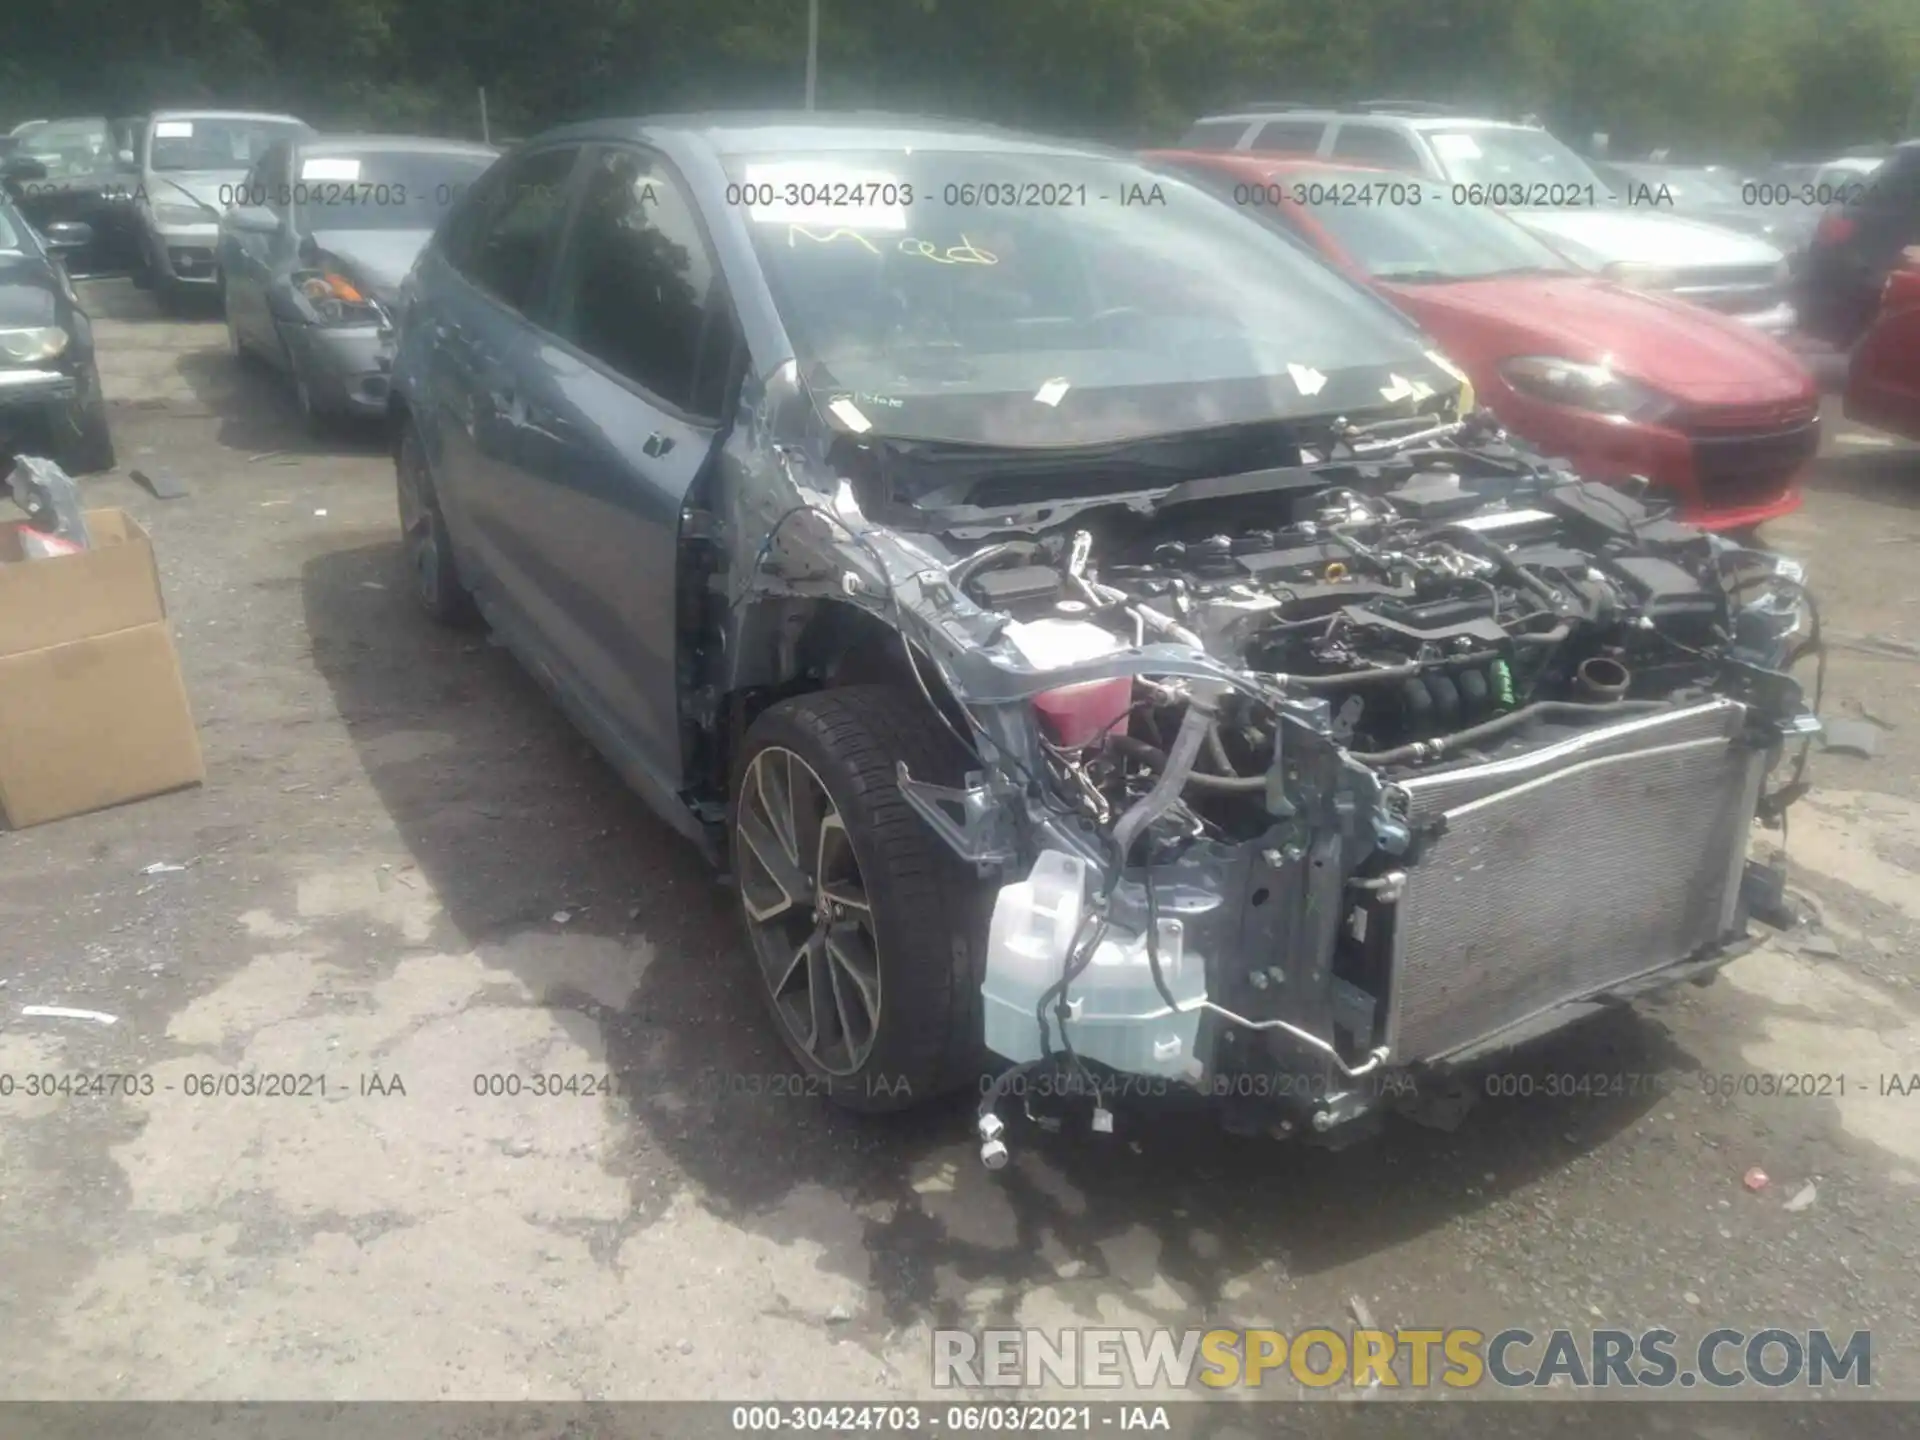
(1619, 380)
(50, 397)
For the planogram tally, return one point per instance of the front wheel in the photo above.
(867, 933)
(433, 577)
(85, 446)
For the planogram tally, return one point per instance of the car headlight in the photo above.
(1641, 277)
(336, 300)
(1585, 387)
(24, 347)
(181, 215)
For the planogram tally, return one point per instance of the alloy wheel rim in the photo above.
(808, 911)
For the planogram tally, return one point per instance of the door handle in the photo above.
(656, 445)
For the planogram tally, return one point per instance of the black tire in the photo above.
(85, 444)
(926, 912)
(433, 576)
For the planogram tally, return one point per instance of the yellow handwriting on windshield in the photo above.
(829, 237)
(965, 253)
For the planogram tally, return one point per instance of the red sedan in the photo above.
(1618, 381)
(1883, 379)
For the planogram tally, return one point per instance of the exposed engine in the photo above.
(1436, 616)
(1472, 746)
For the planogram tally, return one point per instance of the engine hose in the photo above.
(1502, 684)
(1509, 567)
(1201, 713)
(1500, 724)
(1155, 758)
(1341, 678)
(963, 570)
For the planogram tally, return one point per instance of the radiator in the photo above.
(1566, 871)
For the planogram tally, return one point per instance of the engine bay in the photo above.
(1438, 613)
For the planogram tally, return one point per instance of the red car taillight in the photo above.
(1834, 228)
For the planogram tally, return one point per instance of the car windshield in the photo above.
(1030, 299)
(382, 189)
(1510, 155)
(70, 149)
(1430, 241)
(217, 143)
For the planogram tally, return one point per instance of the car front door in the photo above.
(247, 257)
(470, 325)
(618, 412)
(1883, 378)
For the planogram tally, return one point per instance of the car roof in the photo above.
(273, 115)
(1324, 114)
(407, 144)
(1252, 162)
(729, 134)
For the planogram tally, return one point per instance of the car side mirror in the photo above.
(254, 220)
(67, 235)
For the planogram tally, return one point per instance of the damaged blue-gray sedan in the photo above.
(1088, 629)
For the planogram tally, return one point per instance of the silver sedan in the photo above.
(313, 246)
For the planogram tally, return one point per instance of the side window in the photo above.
(634, 284)
(1289, 137)
(511, 234)
(1214, 135)
(1375, 145)
(272, 170)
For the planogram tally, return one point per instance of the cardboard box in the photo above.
(92, 708)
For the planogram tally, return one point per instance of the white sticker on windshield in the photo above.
(325, 169)
(808, 192)
(1400, 389)
(1455, 146)
(1052, 392)
(172, 129)
(1306, 379)
(850, 415)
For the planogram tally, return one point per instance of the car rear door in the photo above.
(246, 257)
(1883, 378)
(468, 326)
(617, 413)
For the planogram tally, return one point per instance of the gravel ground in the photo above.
(406, 865)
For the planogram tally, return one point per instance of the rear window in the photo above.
(1289, 137)
(201, 142)
(381, 189)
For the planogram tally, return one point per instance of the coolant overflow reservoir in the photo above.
(1034, 922)
(1119, 1016)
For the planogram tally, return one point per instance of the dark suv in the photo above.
(1857, 245)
